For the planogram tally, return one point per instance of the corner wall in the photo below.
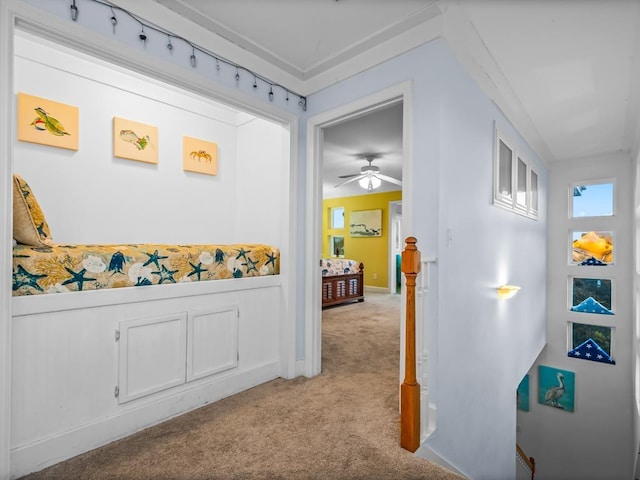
(479, 348)
(596, 440)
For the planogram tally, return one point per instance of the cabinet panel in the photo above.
(152, 355)
(212, 342)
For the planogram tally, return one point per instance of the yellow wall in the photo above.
(372, 251)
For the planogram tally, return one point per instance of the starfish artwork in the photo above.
(154, 258)
(22, 277)
(165, 275)
(77, 277)
(197, 270)
(250, 264)
(271, 260)
(242, 253)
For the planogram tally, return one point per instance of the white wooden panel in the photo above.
(152, 355)
(212, 342)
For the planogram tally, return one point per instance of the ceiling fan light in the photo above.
(370, 182)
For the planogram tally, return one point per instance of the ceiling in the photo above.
(565, 71)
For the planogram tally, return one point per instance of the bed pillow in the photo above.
(29, 224)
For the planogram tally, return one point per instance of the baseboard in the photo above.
(298, 369)
(426, 452)
(372, 289)
(62, 446)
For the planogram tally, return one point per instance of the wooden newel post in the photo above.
(410, 388)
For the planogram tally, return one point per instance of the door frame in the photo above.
(313, 250)
(395, 208)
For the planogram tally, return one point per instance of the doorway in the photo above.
(317, 126)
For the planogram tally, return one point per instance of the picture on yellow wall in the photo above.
(366, 223)
(47, 122)
(199, 156)
(135, 141)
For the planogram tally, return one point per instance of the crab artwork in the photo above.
(200, 155)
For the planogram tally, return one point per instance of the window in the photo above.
(591, 342)
(337, 217)
(336, 245)
(591, 200)
(592, 248)
(515, 183)
(591, 295)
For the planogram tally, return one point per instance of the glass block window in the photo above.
(591, 295)
(592, 248)
(592, 200)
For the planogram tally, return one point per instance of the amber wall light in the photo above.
(507, 291)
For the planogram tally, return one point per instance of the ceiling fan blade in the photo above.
(389, 179)
(349, 176)
(354, 179)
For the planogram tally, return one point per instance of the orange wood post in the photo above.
(410, 388)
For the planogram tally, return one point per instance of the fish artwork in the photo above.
(44, 121)
(130, 136)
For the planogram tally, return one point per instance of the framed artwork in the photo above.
(135, 141)
(199, 156)
(522, 394)
(366, 223)
(47, 122)
(556, 388)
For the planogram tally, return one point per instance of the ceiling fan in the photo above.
(369, 177)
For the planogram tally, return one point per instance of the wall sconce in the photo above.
(507, 291)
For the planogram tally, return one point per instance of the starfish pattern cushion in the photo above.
(29, 224)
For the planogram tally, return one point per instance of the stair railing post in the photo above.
(410, 388)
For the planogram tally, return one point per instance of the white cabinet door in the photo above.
(212, 342)
(152, 355)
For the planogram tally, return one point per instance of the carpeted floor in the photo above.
(342, 424)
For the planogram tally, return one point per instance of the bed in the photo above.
(342, 281)
(40, 266)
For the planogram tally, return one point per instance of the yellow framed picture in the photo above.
(47, 122)
(199, 156)
(135, 141)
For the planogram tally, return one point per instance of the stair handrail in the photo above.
(525, 461)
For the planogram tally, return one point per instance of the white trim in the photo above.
(6, 226)
(313, 252)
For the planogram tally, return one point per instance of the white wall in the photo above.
(479, 347)
(596, 440)
(90, 196)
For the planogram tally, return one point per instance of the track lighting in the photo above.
(114, 21)
(142, 36)
(74, 11)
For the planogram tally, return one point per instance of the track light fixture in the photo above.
(193, 60)
(74, 11)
